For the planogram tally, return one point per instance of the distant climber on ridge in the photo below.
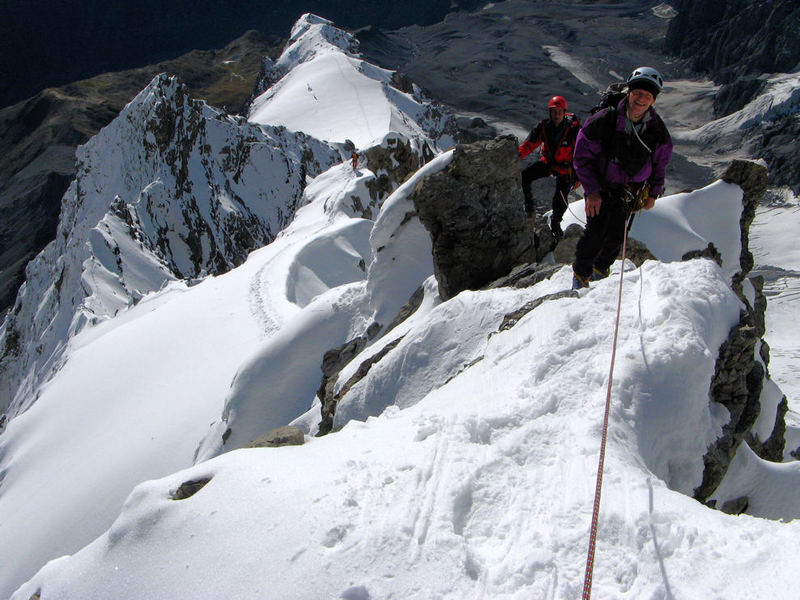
(556, 135)
(621, 158)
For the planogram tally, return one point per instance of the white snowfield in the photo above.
(462, 466)
(329, 92)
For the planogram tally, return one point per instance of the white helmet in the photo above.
(646, 78)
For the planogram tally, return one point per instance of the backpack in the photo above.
(612, 96)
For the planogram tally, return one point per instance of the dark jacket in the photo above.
(606, 156)
(558, 144)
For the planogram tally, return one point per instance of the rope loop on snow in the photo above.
(587, 581)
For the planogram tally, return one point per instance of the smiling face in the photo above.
(639, 101)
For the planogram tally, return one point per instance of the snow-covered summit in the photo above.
(312, 35)
(329, 92)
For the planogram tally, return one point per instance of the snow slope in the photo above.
(329, 92)
(465, 462)
(169, 190)
(477, 481)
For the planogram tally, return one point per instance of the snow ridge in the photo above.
(324, 88)
(463, 461)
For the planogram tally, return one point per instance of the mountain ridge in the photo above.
(39, 137)
(461, 450)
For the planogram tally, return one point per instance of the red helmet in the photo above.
(557, 102)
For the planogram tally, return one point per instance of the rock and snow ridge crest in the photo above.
(170, 190)
(176, 190)
(477, 436)
(321, 85)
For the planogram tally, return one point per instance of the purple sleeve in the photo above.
(584, 161)
(660, 161)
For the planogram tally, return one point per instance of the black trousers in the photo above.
(538, 170)
(602, 239)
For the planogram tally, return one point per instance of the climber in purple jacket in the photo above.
(621, 157)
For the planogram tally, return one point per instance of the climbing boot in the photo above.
(597, 274)
(579, 282)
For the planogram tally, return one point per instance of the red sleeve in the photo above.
(532, 142)
(527, 147)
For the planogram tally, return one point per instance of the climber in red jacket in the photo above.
(556, 135)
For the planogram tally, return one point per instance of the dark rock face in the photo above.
(779, 150)
(473, 210)
(392, 164)
(332, 363)
(335, 360)
(732, 38)
(330, 399)
(475, 129)
(735, 42)
(735, 95)
(737, 384)
(752, 178)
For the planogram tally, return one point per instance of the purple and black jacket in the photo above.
(607, 158)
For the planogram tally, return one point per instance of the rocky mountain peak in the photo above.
(172, 189)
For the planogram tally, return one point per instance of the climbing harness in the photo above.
(587, 582)
(636, 200)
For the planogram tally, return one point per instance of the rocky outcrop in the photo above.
(189, 488)
(335, 360)
(331, 397)
(280, 436)
(752, 178)
(332, 363)
(736, 385)
(473, 210)
(740, 368)
(392, 163)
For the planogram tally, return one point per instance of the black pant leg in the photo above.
(614, 235)
(602, 238)
(537, 170)
(560, 197)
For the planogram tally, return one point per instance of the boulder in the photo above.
(474, 212)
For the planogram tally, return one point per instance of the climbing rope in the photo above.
(587, 582)
(566, 203)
